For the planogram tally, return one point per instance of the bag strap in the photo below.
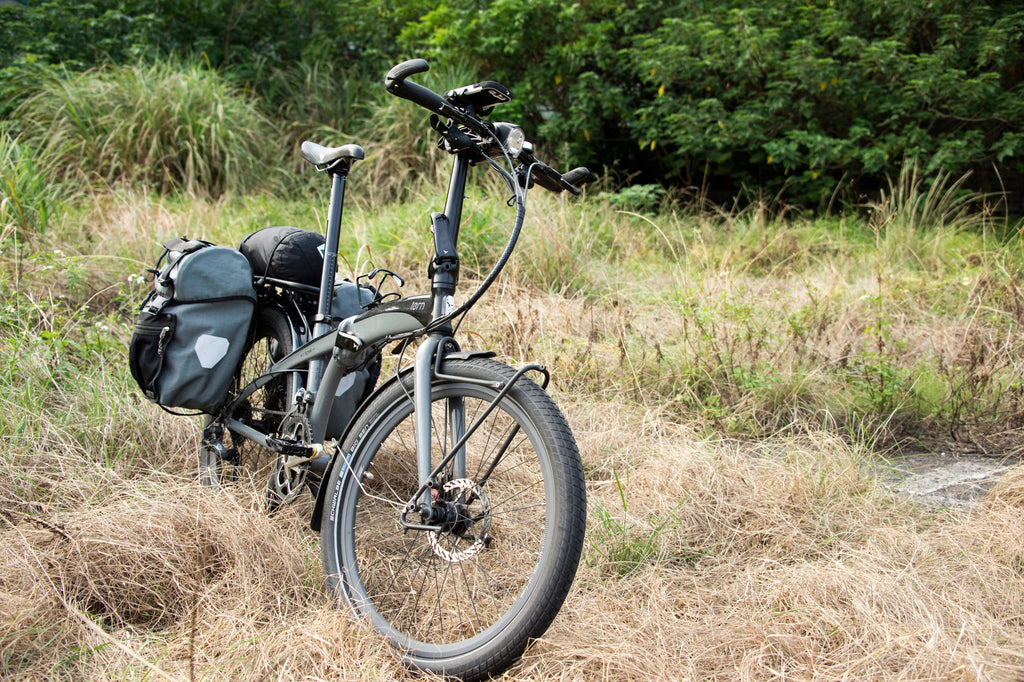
(149, 298)
(175, 244)
(179, 414)
(185, 245)
(182, 244)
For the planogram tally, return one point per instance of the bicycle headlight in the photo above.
(511, 138)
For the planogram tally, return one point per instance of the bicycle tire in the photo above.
(488, 600)
(248, 464)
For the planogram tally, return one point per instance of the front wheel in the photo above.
(463, 599)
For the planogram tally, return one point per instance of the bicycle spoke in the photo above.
(481, 547)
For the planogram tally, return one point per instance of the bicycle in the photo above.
(452, 508)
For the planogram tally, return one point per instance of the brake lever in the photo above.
(536, 171)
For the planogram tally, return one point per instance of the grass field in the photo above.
(728, 394)
(735, 378)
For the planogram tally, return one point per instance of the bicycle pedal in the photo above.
(290, 449)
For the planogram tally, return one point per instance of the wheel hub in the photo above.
(464, 513)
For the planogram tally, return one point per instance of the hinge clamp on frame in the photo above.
(349, 342)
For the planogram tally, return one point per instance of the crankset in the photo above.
(291, 469)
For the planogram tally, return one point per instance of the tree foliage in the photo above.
(826, 92)
(777, 93)
(225, 33)
(813, 97)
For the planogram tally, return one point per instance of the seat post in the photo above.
(322, 320)
(327, 277)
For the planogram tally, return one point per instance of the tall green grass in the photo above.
(183, 128)
(754, 324)
(28, 196)
(903, 322)
(168, 126)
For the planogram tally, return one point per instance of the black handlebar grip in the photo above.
(425, 97)
(577, 176)
(400, 72)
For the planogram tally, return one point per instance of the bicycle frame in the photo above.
(451, 442)
(335, 351)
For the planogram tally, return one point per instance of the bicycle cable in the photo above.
(519, 199)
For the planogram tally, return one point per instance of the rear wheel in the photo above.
(465, 598)
(237, 461)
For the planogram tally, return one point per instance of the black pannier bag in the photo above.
(192, 328)
(286, 253)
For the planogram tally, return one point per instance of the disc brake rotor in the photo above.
(473, 526)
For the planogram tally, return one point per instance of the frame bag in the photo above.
(350, 299)
(293, 254)
(192, 328)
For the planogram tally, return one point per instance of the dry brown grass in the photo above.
(780, 560)
(706, 558)
(165, 581)
(787, 561)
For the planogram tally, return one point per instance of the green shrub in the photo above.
(173, 127)
(228, 34)
(814, 98)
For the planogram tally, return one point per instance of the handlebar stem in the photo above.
(444, 268)
(457, 192)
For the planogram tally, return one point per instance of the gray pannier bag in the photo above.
(192, 328)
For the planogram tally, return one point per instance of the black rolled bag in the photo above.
(286, 253)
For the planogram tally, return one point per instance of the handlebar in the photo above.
(396, 84)
(547, 177)
(550, 179)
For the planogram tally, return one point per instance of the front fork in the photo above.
(455, 415)
(451, 466)
(444, 275)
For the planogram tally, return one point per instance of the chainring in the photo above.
(287, 478)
